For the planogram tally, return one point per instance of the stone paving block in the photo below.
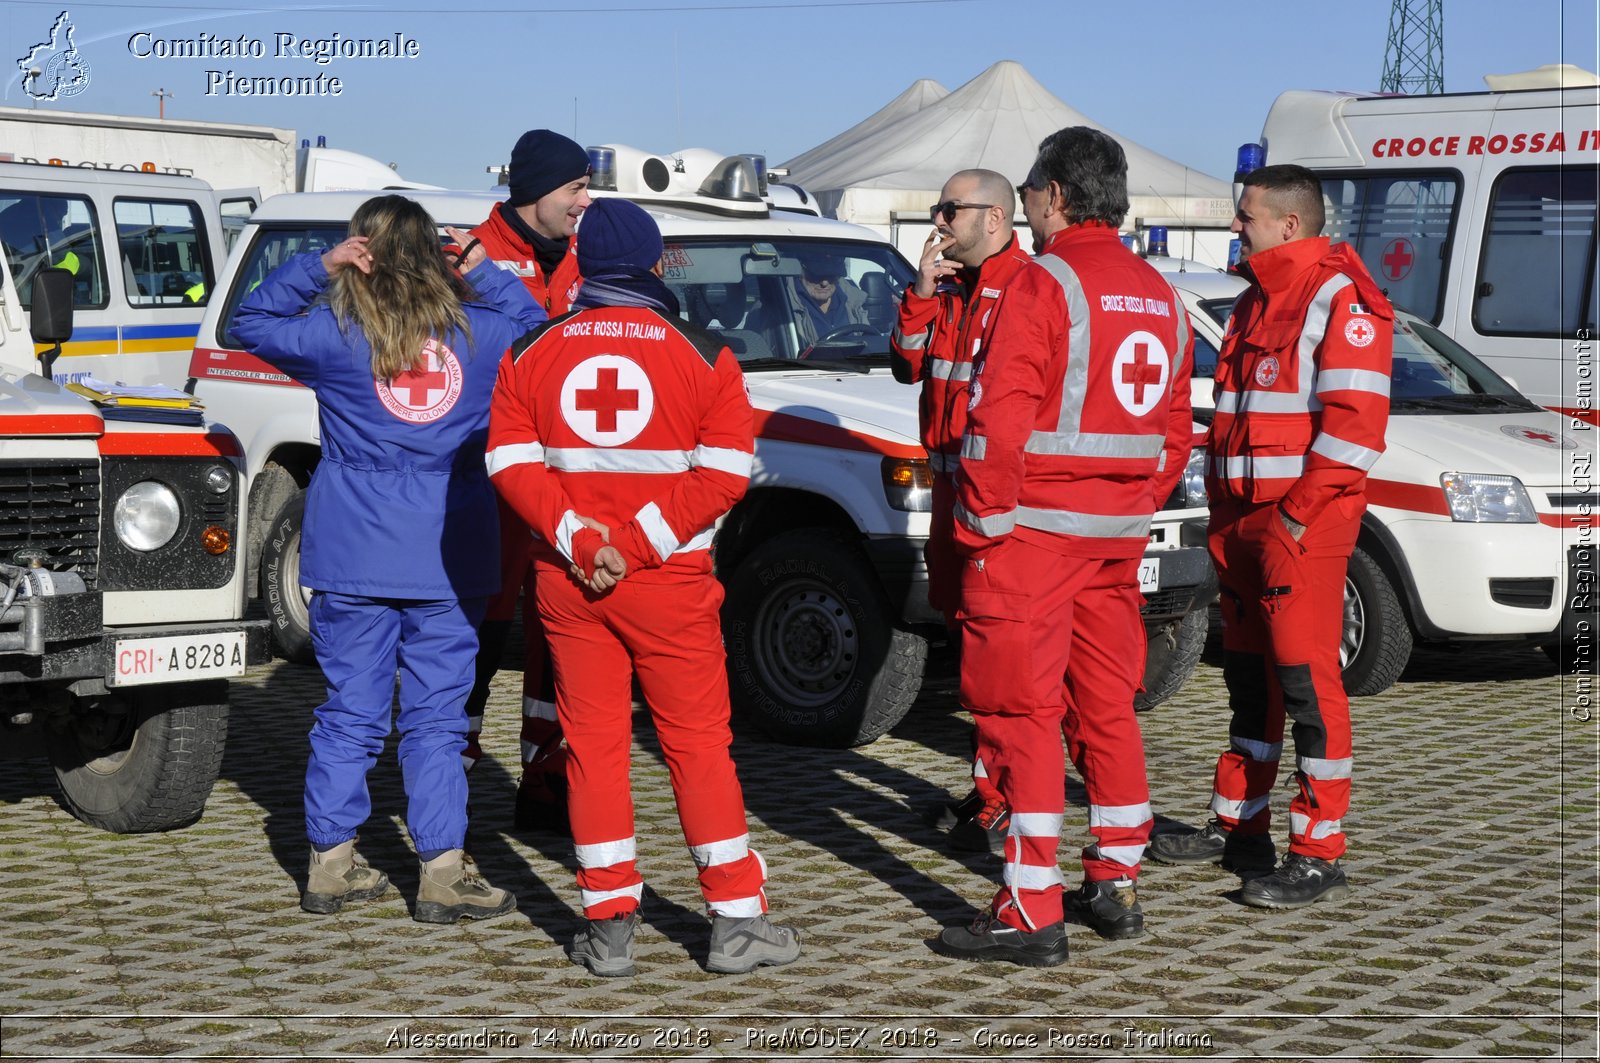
(1470, 930)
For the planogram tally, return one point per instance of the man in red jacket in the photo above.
(945, 319)
(1078, 430)
(621, 434)
(1302, 396)
(531, 235)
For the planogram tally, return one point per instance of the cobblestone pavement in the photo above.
(1470, 930)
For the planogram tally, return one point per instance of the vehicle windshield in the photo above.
(1432, 373)
(777, 301)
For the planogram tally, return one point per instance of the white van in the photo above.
(1475, 211)
(143, 250)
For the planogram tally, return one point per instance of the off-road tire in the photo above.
(280, 583)
(150, 768)
(1170, 658)
(1375, 639)
(814, 653)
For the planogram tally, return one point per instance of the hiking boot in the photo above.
(1301, 880)
(990, 939)
(1109, 907)
(947, 814)
(605, 946)
(449, 892)
(542, 794)
(1213, 844)
(740, 945)
(340, 875)
(984, 831)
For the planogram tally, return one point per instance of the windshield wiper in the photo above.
(803, 363)
(1484, 401)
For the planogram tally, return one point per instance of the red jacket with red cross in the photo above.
(1080, 421)
(511, 252)
(935, 341)
(1302, 388)
(630, 418)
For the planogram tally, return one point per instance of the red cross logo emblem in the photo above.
(427, 392)
(607, 399)
(1358, 331)
(1398, 255)
(1139, 372)
(1539, 437)
(1267, 371)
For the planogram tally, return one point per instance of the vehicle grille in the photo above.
(1573, 501)
(53, 506)
(1523, 593)
(1171, 601)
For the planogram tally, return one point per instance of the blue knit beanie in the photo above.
(542, 162)
(615, 232)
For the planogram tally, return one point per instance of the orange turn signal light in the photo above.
(217, 541)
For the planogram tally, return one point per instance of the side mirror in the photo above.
(50, 319)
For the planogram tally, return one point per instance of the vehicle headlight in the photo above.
(1484, 498)
(146, 516)
(1194, 479)
(908, 484)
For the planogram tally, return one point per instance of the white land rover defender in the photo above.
(121, 584)
(827, 621)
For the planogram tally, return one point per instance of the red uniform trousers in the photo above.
(541, 734)
(1282, 616)
(671, 634)
(944, 564)
(1031, 616)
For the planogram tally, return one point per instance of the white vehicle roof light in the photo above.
(733, 178)
(733, 184)
(602, 169)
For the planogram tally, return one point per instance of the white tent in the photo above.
(893, 171)
(853, 140)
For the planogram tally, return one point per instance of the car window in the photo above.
(779, 300)
(39, 230)
(1433, 372)
(1205, 353)
(162, 243)
(271, 249)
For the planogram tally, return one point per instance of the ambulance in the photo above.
(826, 621)
(1475, 211)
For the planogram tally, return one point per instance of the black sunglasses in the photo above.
(947, 210)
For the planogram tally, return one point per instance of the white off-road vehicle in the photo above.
(826, 622)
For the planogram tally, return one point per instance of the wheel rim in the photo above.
(105, 739)
(297, 599)
(807, 643)
(1354, 631)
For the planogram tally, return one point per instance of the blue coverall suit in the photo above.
(400, 543)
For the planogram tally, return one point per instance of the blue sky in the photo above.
(1191, 81)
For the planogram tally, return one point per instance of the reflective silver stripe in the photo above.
(1068, 438)
(616, 459)
(605, 854)
(909, 343)
(1262, 752)
(512, 266)
(1126, 855)
(657, 530)
(998, 524)
(1075, 384)
(945, 369)
(1325, 769)
(1373, 383)
(529, 751)
(569, 526)
(1089, 525)
(594, 898)
(1033, 877)
(1119, 815)
(1266, 402)
(701, 540)
(1036, 824)
(974, 447)
(533, 708)
(1244, 466)
(1324, 828)
(945, 463)
(501, 458)
(723, 852)
(738, 907)
(475, 724)
(1240, 810)
(1342, 450)
(723, 459)
(1094, 444)
(978, 770)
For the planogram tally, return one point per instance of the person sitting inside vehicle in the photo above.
(826, 300)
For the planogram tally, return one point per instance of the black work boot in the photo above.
(605, 946)
(990, 939)
(1213, 844)
(984, 831)
(1109, 907)
(1302, 880)
(947, 814)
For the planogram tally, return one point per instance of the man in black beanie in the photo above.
(531, 234)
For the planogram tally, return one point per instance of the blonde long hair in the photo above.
(411, 295)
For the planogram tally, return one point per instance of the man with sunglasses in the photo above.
(945, 318)
(829, 301)
(1078, 429)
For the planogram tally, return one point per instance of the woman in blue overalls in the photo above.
(400, 542)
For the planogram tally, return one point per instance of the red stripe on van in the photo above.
(788, 428)
(223, 363)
